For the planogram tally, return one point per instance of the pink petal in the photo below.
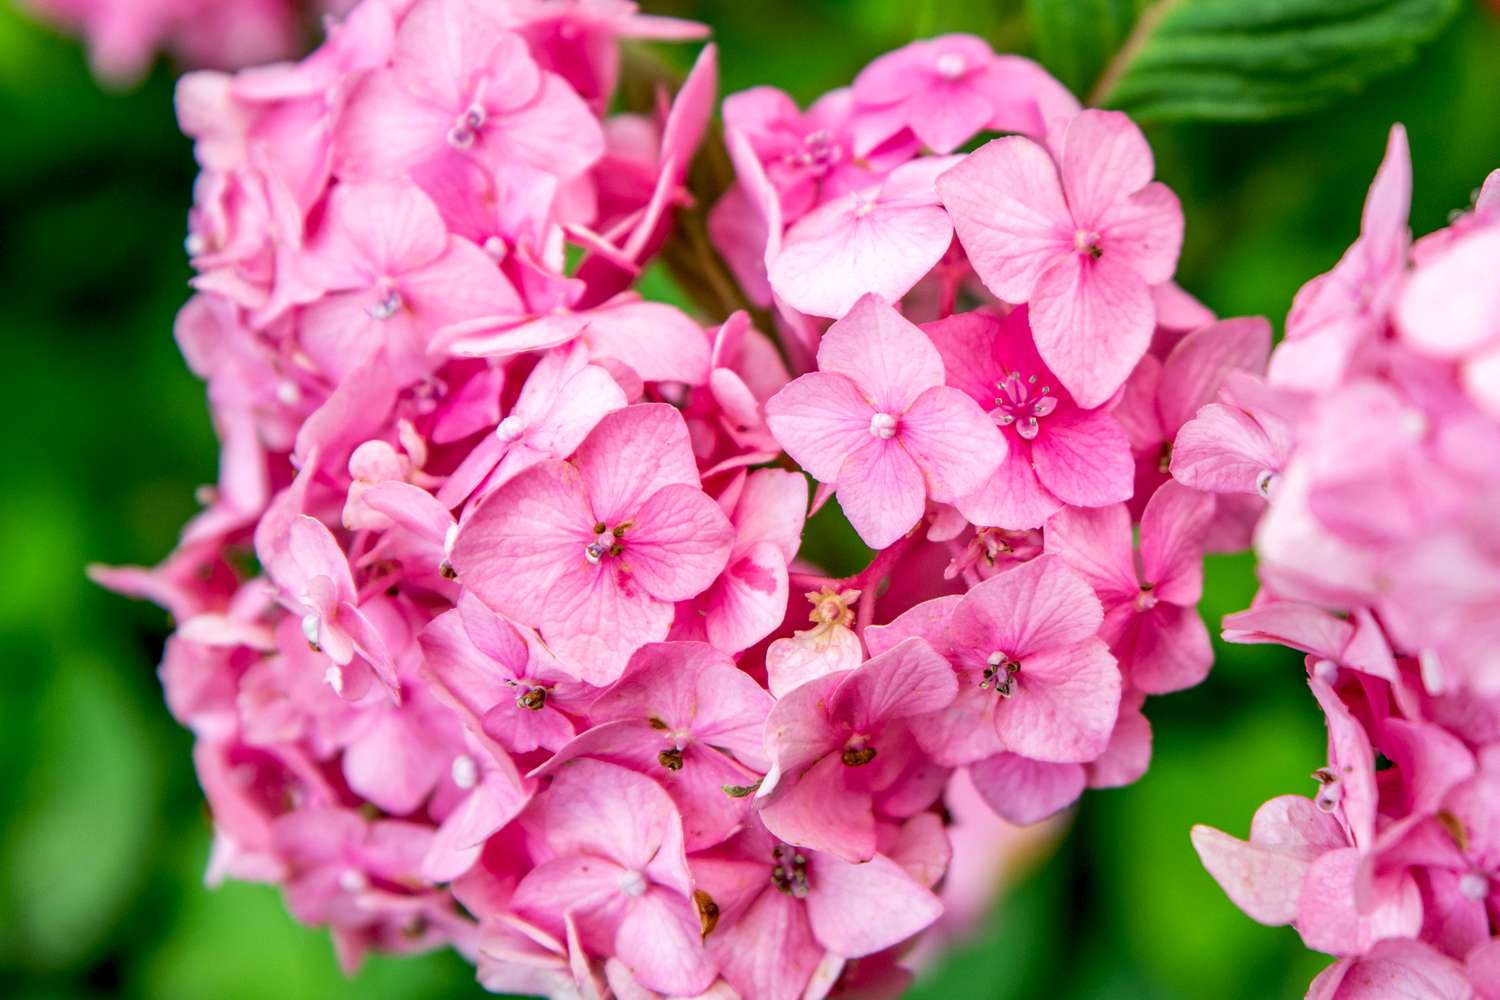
(633, 453)
(819, 419)
(1223, 450)
(412, 507)
(1328, 919)
(1083, 458)
(1007, 204)
(1166, 649)
(1039, 605)
(1025, 791)
(393, 225)
(1262, 881)
(1144, 232)
(826, 808)
(953, 442)
(1172, 533)
(909, 679)
(1105, 159)
(660, 342)
(1065, 704)
(678, 544)
(1092, 320)
(850, 247)
(1013, 497)
(844, 896)
(658, 939)
(886, 356)
(881, 491)
(606, 810)
(532, 529)
(597, 616)
(749, 600)
(769, 951)
(1196, 368)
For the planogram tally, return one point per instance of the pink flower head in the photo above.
(878, 239)
(1034, 678)
(610, 868)
(594, 552)
(877, 421)
(683, 714)
(783, 909)
(1400, 967)
(838, 744)
(1336, 315)
(948, 89)
(1150, 600)
(1057, 452)
(462, 87)
(1080, 237)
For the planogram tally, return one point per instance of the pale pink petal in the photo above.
(885, 355)
(1025, 791)
(881, 491)
(1172, 534)
(1092, 319)
(1223, 450)
(1039, 605)
(953, 441)
(820, 419)
(1083, 458)
(1329, 920)
(749, 600)
(594, 617)
(1262, 881)
(844, 896)
(660, 342)
(1007, 204)
(909, 679)
(678, 543)
(631, 454)
(1166, 649)
(770, 951)
(826, 808)
(1144, 232)
(1013, 497)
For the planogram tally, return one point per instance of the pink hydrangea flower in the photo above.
(838, 745)
(877, 420)
(1079, 236)
(1057, 452)
(594, 552)
(1150, 595)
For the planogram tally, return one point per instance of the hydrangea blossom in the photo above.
(535, 663)
(1373, 451)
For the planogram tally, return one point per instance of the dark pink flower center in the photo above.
(789, 871)
(999, 674)
(819, 154)
(1021, 404)
(607, 541)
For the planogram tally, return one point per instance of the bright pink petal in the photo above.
(826, 808)
(1083, 458)
(1013, 497)
(1144, 232)
(1105, 159)
(1039, 605)
(1172, 535)
(881, 491)
(820, 419)
(1092, 319)
(1064, 706)
(953, 442)
(1025, 791)
(909, 679)
(659, 941)
(1196, 368)
(1007, 204)
(844, 896)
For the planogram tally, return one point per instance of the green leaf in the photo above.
(1075, 38)
(1243, 60)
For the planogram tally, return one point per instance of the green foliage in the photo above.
(1076, 38)
(1243, 60)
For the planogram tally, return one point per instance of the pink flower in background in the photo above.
(877, 421)
(1080, 236)
(1450, 310)
(947, 89)
(1057, 453)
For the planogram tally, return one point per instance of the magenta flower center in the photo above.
(819, 154)
(607, 541)
(999, 674)
(951, 66)
(883, 425)
(1022, 404)
(466, 128)
(1087, 241)
(789, 871)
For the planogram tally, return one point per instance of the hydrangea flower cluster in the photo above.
(125, 35)
(527, 661)
(1375, 443)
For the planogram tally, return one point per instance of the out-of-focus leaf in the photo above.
(1239, 60)
(1075, 38)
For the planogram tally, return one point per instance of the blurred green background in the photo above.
(103, 835)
